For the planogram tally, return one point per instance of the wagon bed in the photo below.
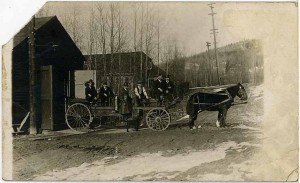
(83, 116)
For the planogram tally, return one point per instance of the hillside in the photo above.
(238, 62)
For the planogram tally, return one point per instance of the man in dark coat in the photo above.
(105, 95)
(90, 91)
(126, 100)
(170, 89)
(159, 88)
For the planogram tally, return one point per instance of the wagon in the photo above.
(83, 116)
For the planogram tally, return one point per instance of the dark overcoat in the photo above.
(159, 84)
(126, 102)
(90, 91)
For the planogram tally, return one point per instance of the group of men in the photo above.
(163, 90)
(104, 94)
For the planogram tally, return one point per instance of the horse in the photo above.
(214, 99)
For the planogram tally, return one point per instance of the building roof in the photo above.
(128, 61)
(53, 44)
(128, 65)
(154, 71)
(125, 55)
(24, 32)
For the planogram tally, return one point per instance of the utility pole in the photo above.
(215, 41)
(142, 17)
(32, 78)
(208, 44)
(158, 48)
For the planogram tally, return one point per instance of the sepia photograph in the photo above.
(152, 91)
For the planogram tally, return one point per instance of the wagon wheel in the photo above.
(78, 117)
(158, 119)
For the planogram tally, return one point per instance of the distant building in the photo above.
(128, 66)
(57, 57)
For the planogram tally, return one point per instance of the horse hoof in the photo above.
(199, 126)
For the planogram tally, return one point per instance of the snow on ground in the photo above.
(257, 92)
(145, 166)
(206, 154)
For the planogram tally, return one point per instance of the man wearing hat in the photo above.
(90, 91)
(159, 89)
(105, 95)
(126, 101)
(140, 94)
(170, 89)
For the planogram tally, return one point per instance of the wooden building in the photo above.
(57, 57)
(128, 66)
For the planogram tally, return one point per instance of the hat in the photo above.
(126, 84)
(89, 81)
(104, 83)
(140, 82)
(168, 76)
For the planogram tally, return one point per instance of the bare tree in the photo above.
(173, 59)
(134, 38)
(112, 17)
(148, 37)
(141, 40)
(102, 22)
(92, 43)
(122, 35)
(158, 40)
(71, 22)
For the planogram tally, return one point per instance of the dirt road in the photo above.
(207, 153)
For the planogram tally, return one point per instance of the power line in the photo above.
(215, 41)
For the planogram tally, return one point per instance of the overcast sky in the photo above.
(188, 22)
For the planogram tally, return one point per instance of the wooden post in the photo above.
(32, 78)
(215, 41)
(209, 64)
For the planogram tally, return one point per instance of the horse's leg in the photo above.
(224, 116)
(221, 116)
(192, 120)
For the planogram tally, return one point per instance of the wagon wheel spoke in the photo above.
(71, 113)
(152, 115)
(158, 126)
(83, 123)
(162, 113)
(164, 117)
(71, 120)
(151, 122)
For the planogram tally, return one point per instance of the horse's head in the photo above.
(242, 92)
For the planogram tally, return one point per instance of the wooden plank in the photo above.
(23, 122)
(103, 108)
(46, 98)
(148, 108)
